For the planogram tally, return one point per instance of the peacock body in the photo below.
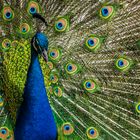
(92, 76)
(35, 111)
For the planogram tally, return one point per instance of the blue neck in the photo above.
(34, 56)
(35, 120)
(35, 79)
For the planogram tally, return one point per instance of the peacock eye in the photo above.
(8, 13)
(67, 129)
(6, 44)
(24, 28)
(107, 12)
(92, 43)
(90, 86)
(37, 42)
(71, 68)
(138, 107)
(61, 25)
(54, 54)
(92, 133)
(57, 91)
(33, 7)
(122, 64)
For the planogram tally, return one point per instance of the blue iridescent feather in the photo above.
(35, 119)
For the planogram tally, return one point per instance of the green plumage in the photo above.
(90, 85)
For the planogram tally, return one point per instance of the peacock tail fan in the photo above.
(92, 76)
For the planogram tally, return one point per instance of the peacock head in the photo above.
(40, 45)
(40, 41)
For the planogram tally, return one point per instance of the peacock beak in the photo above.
(40, 50)
(45, 55)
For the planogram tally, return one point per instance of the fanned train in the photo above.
(92, 74)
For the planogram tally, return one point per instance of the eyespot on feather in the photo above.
(90, 86)
(6, 44)
(33, 7)
(107, 12)
(7, 13)
(24, 28)
(123, 64)
(61, 24)
(92, 133)
(67, 128)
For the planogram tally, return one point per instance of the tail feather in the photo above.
(110, 106)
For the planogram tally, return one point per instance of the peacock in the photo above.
(88, 87)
